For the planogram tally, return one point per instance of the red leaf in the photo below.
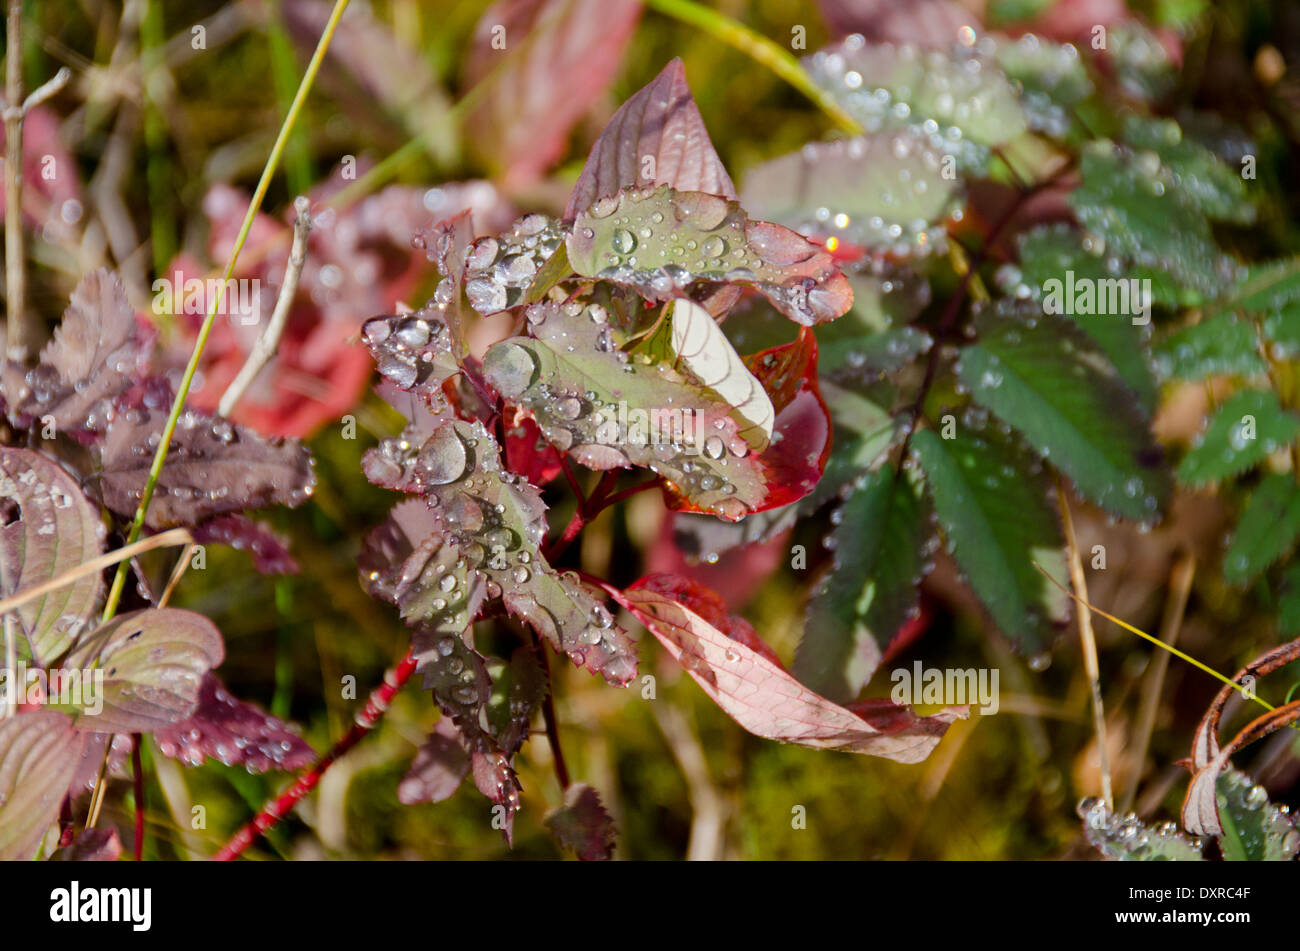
(438, 769)
(39, 752)
(766, 700)
(93, 845)
(527, 451)
(661, 123)
(269, 551)
(544, 63)
(583, 825)
(929, 23)
(709, 606)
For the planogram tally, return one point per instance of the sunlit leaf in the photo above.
(39, 752)
(1254, 830)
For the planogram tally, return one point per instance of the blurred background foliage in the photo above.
(153, 124)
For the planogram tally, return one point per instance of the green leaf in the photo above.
(690, 340)
(1282, 330)
(992, 507)
(1051, 77)
(962, 92)
(1212, 187)
(661, 241)
(1223, 345)
(153, 663)
(885, 191)
(39, 753)
(1267, 530)
(864, 434)
(1254, 830)
(880, 545)
(1134, 203)
(1249, 426)
(1267, 286)
(1125, 839)
(56, 529)
(608, 410)
(1046, 378)
(1140, 61)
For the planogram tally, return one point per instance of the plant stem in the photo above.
(366, 720)
(137, 773)
(760, 49)
(15, 278)
(272, 162)
(548, 716)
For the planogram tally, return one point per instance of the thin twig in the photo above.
(174, 536)
(1180, 587)
(270, 336)
(178, 572)
(1088, 643)
(366, 720)
(137, 774)
(548, 715)
(15, 289)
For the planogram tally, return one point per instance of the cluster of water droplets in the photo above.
(236, 734)
(411, 349)
(499, 270)
(1268, 829)
(1050, 76)
(959, 101)
(1127, 839)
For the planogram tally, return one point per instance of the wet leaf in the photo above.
(661, 242)
(233, 732)
(154, 663)
(885, 192)
(49, 528)
(511, 268)
(39, 752)
(1254, 830)
(765, 699)
(1248, 426)
(1046, 378)
(1268, 529)
(1125, 839)
(882, 540)
(657, 137)
(213, 467)
(1211, 186)
(583, 825)
(1223, 345)
(925, 22)
(992, 506)
(269, 549)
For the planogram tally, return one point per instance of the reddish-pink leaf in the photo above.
(583, 825)
(765, 699)
(93, 845)
(39, 752)
(439, 767)
(928, 23)
(269, 549)
(709, 606)
(234, 732)
(656, 138)
(544, 62)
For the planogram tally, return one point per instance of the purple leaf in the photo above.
(154, 663)
(656, 138)
(928, 23)
(767, 700)
(93, 357)
(583, 825)
(235, 732)
(643, 238)
(543, 63)
(214, 467)
(439, 767)
(93, 845)
(49, 528)
(269, 549)
(39, 752)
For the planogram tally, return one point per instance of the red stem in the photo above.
(138, 774)
(366, 721)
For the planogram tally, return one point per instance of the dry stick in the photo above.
(366, 720)
(11, 667)
(1088, 642)
(1180, 587)
(174, 536)
(270, 337)
(16, 344)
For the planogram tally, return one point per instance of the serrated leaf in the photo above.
(515, 266)
(1133, 202)
(885, 192)
(542, 64)
(1225, 344)
(995, 517)
(213, 467)
(1050, 251)
(479, 537)
(1125, 839)
(689, 339)
(1046, 378)
(439, 767)
(864, 433)
(880, 551)
(583, 825)
(609, 411)
(883, 86)
(92, 359)
(1268, 529)
(1247, 427)
(39, 752)
(867, 358)
(1266, 286)
(234, 732)
(760, 695)
(657, 137)
(154, 663)
(51, 528)
(518, 688)
(1254, 830)
(1209, 185)
(1051, 79)
(704, 238)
